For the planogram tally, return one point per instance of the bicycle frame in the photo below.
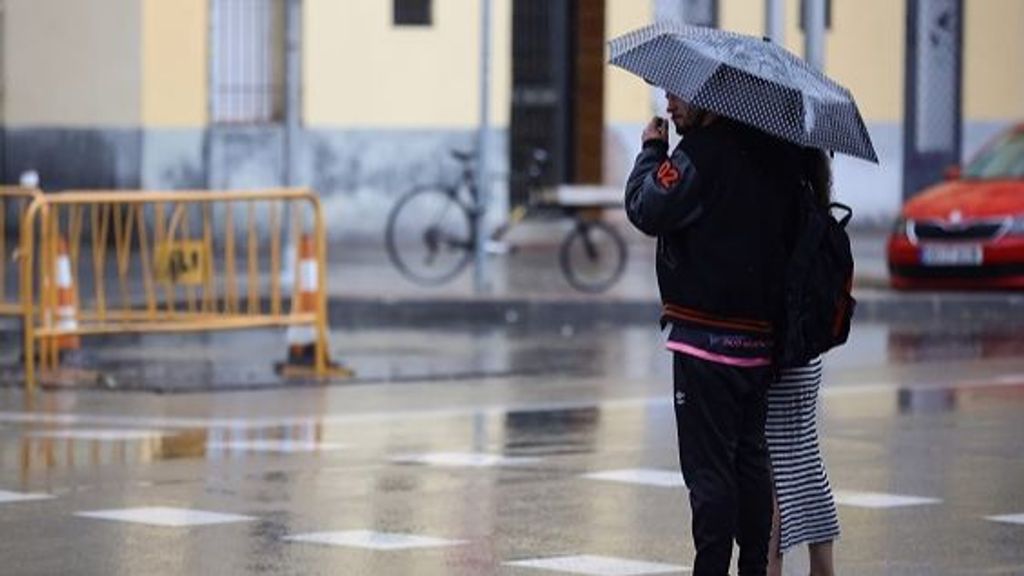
(462, 196)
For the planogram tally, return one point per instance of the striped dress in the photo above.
(806, 507)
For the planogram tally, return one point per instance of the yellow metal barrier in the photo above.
(14, 201)
(175, 257)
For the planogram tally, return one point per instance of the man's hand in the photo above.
(656, 129)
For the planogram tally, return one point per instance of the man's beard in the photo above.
(690, 122)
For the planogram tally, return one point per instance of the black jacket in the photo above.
(723, 209)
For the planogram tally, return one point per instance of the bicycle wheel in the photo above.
(593, 256)
(429, 236)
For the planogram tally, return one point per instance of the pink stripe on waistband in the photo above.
(719, 358)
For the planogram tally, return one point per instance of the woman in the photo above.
(805, 511)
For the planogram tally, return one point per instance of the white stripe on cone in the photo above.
(66, 318)
(308, 276)
(300, 334)
(308, 283)
(63, 272)
(308, 280)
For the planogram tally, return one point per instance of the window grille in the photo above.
(3, 60)
(246, 61)
(413, 12)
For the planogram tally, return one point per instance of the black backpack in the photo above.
(818, 305)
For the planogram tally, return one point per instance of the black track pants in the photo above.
(720, 417)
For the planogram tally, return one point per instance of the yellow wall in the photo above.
(626, 98)
(174, 57)
(866, 53)
(131, 62)
(743, 16)
(72, 63)
(994, 60)
(863, 50)
(361, 71)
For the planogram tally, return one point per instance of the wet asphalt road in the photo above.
(486, 440)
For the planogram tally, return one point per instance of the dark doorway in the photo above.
(557, 90)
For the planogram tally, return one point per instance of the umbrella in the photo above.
(750, 80)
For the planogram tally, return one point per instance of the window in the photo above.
(413, 12)
(246, 61)
(1003, 160)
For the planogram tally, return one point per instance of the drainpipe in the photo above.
(293, 87)
(814, 33)
(480, 279)
(775, 21)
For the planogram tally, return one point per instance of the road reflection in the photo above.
(958, 341)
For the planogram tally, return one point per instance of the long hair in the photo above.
(817, 170)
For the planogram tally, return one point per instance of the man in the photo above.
(721, 206)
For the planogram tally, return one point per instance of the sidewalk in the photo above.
(532, 271)
(389, 329)
(527, 287)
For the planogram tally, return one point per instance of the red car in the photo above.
(966, 232)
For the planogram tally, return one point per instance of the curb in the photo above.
(872, 306)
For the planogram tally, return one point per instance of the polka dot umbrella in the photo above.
(748, 79)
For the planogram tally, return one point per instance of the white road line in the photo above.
(372, 540)
(59, 418)
(166, 517)
(644, 476)
(599, 565)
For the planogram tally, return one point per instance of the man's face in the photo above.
(684, 116)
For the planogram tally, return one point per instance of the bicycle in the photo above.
(432, 230)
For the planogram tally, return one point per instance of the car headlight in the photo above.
(1016, 225)
(899, 227)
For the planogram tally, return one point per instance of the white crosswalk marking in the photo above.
(1008, 518)
(466, 459)
(13, 497)
(101, 434)
(283, 446)
(599, 566)
(650, 477)
(372, 540)
(163, 516)
(879, 499)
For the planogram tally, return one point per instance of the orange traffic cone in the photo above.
(67, 307)
(301, 338)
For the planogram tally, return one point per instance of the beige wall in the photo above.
(994, 60)
(131, 62)
(174, 60)
(743, 16)
(72, 63)
(866, 53)
(627, 98)
(863, 51)
(361, 71)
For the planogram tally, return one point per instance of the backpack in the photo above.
(818, 305)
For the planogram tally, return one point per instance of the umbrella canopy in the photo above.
(748, 79)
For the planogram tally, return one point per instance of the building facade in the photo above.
(195, 93)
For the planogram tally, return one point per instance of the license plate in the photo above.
(958, 255)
